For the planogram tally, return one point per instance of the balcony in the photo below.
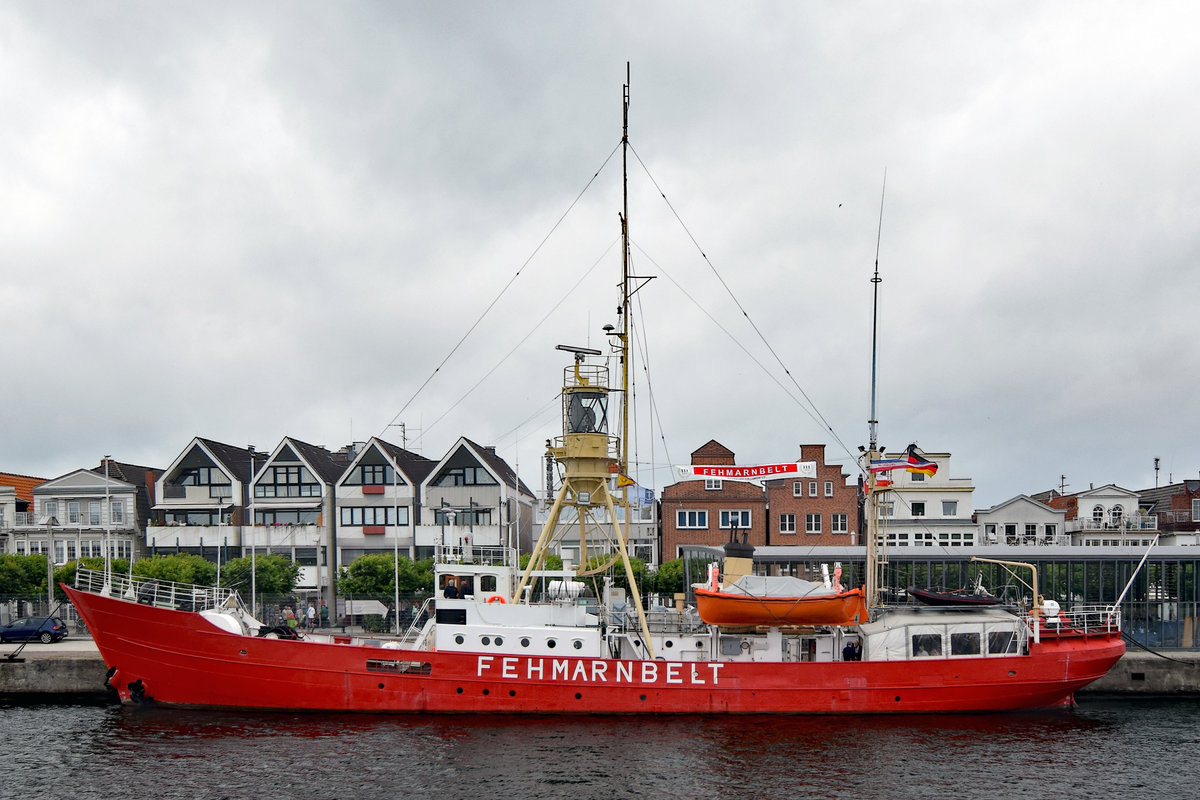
(1175, 521)
(1125, 524)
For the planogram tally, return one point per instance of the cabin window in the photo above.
(926, 645)
(964, 644)
(487, 583)
(1002, 643)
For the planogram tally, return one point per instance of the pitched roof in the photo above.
(22, 483)
(235, 460)
(498, 465)
(319, 459)
(416, 467)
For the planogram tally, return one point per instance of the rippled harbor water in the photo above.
(1123, 749)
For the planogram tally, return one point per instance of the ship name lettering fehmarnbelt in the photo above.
(598, 671)
(801, 469)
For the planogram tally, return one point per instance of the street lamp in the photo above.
(107, 588)
(49, 521)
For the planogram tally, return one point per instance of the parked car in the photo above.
(28, 629)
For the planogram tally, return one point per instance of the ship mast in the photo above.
(875, 559)
(590, 458)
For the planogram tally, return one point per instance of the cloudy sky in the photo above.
(246, 221)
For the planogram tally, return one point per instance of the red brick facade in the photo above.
(692, 510)
(825, 511)
(813, 511)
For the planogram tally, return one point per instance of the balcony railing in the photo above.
(1135, 523)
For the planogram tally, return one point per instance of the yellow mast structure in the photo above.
(589, 456)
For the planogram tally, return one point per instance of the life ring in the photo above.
(496, 598)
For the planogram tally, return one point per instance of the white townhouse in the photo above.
(1022, 521)
(473, 498)
(921, 510)
(1106, 516)
(379, 501)
(75, 514)
(201, 501)
(292, 511)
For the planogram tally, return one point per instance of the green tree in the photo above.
(178, 567)
(376, 574)
(273, 574)
(668, 579)
(552, 561)
(617, 570)
(22, 574)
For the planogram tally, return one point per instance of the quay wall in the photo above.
(79, 672)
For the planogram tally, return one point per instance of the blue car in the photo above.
(29, 629)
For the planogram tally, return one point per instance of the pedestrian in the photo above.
(289, 617)
(324, 615)
(312, 616)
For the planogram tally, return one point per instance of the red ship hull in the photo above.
(178, 658)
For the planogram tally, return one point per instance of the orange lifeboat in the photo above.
(756, 600)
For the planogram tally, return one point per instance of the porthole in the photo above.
(551, 643)
(524, 641)
(487, 692)
(512, 693)
(699, 645)
(459, 691)
(577, 644)
(459, 639)
(670, 643)
(578, 696)
(486, 640)
(381, 686)
(499, 641)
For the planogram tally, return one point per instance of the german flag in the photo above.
(917, 463)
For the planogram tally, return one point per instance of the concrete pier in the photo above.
(70, 668)
(73, 668)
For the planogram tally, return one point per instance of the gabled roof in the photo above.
(498, 465)
(235, 461)
(1021, 498)
(415, 468)
(22, 483)
(318, 459)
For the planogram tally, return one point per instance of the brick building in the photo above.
(820, 510)
(706, 511)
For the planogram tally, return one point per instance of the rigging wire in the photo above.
(504, 290)
(814, 412)
(525, 338)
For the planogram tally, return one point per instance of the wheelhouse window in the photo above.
(691, 519)
(964, 644)
(731, 518)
